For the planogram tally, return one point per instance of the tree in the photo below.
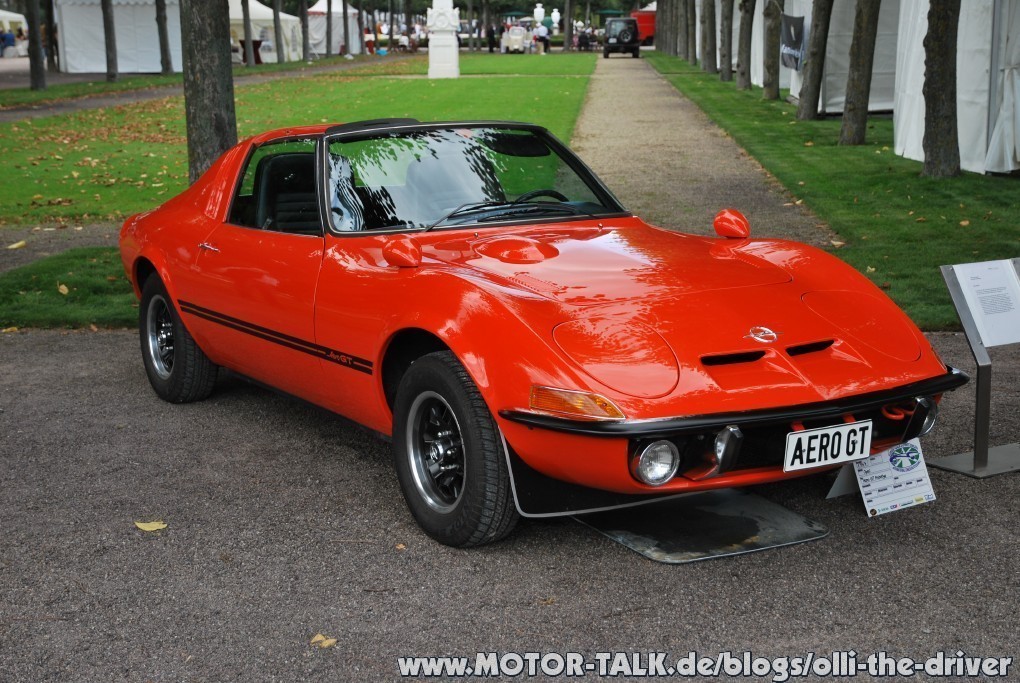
(858, 80)
(726, 42)
(278, 33)
(249, 46)
(347, 30)
(682, 33)
(51, 37)
(208, 82)
(390, 42)
(36, 58)
(329, 27)
(941, 142)
(306, 44)
(814, 64)
(773, 14)
(111, 40)
(165, 62)
(744, 45)
(692, 31)
(568, 25)
(708, 50)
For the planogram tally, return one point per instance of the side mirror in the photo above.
(732, 224)
(402, 252)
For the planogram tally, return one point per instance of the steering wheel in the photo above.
(559, 196)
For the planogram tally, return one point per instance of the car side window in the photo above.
(277, 190)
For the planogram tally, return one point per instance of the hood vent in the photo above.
(732, 358)
(811, 347)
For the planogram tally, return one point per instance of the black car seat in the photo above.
(285, 192)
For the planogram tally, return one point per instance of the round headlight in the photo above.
(656, 463)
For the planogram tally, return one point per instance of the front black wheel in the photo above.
(449, 455)
(178, 370)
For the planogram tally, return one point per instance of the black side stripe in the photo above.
(325, 353)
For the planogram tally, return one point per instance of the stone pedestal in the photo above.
(444, 56)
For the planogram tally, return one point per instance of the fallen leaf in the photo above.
(93, 327)
(401, 546)
(317, 638)
(63, 289)
(322, 642)
(885, 285)
(837, 243)
(922, 219)
(809, 144)
(547, 601)
(870, 269)
(17, 245)
(965, 223)
(7, 330)
(150, 526)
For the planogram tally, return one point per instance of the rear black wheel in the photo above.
(605, 53)
(178, 370)
(449, 455)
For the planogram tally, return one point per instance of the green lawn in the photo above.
(108, 163)
(77, 288)
(898, 227)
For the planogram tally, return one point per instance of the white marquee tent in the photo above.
(317, 21)
(262, 29)
(12, 21)
(987, 84)
(837, 55)
(82, 40)
(758, 49)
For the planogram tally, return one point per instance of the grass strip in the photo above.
(898, 227)
(77, 288)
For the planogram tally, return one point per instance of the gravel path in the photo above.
(284, 522)
(669, 164)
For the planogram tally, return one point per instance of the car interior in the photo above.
(283, 196)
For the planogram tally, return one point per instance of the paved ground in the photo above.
(284, 522)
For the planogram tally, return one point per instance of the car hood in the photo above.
(595, 266)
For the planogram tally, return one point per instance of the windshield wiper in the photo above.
(464, 208)
(543, 207)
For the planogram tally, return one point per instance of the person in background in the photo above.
(542, 36)
(370, 40)
(490, 35)
(6, 40)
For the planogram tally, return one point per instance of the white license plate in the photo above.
(612, 40)
(827, 446)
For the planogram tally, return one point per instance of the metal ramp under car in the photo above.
(704, 526)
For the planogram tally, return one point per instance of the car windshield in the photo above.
(424, 178)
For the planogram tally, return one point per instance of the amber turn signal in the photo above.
(580, 405)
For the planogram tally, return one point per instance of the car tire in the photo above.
(178, 370)
(636, 53)
(625, 36)
(605, 54)
(449, 455)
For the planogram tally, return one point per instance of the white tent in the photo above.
(987, 84)
(317, 21)
(262, 28)
(758, 49)
(718, 30)
(12, 21)
(82, 41)
(837, 55)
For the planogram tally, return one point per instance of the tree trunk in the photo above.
(36, 58)
(347, 29)
(249, 47)
(681, 24)
(208, 82)
(708, 49)
(692, 32)
(52, 55)
(329, 27)
(568, 26)
(111, 41)
(773, 28)
(814, 64)
(165, 61)
(726, 42)
(306, 42)
(278, 33)
(858, 81)
(744, 45)
(941, 141)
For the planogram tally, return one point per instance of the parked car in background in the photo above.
(621, 36)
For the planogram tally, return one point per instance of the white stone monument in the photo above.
(539, 13)
(444, 56)
(556, 22)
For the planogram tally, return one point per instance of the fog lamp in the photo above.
(656, 463)
(727, 445)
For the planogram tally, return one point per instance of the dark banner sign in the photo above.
(792, 42)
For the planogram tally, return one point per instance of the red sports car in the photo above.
(472, 291)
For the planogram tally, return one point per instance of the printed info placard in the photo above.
(992, 292)
(894, 479)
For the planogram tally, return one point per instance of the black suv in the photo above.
(622, 36)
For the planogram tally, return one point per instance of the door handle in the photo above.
(208, 247)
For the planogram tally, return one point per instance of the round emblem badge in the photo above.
(762, 334)
(904, 457)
